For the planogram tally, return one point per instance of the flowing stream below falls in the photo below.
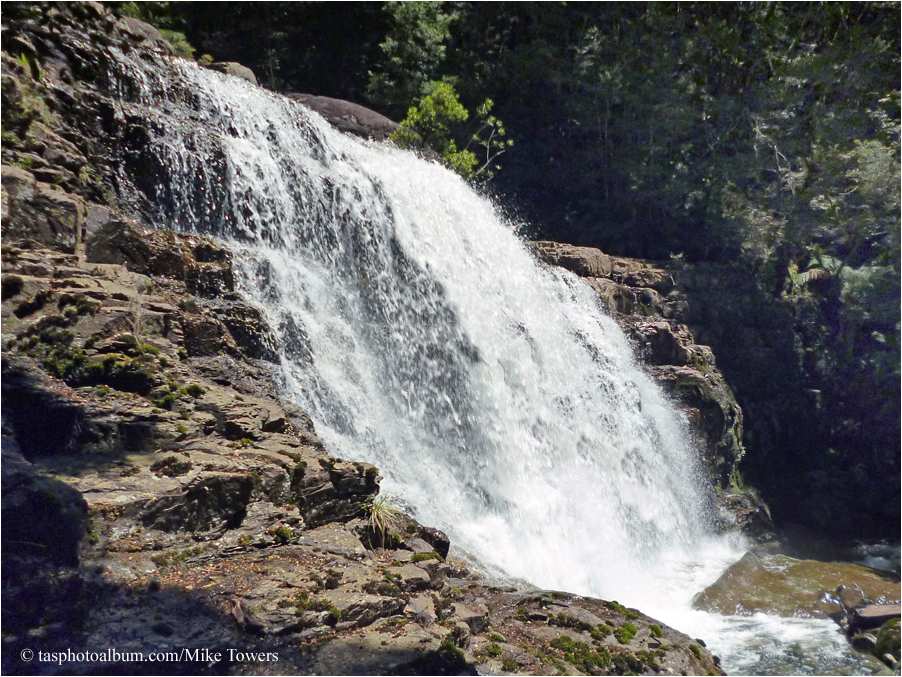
(498, 399)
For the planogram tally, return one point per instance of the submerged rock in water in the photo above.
(783, 586)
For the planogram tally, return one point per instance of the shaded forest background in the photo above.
(763, 136)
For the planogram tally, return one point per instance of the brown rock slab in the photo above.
(784, 586)
(584, 261)
(875, 615)
(336, 540)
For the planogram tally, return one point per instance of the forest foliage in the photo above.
(764, 135)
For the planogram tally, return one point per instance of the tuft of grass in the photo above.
(194, 390)
(382, 517)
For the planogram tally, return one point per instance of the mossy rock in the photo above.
(888, 639)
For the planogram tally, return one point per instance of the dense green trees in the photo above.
(765, 135)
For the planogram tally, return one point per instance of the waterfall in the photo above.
(499, 400)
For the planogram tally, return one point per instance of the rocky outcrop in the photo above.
(235, 69)
(650, 306)
(349, 117)
(198, 507)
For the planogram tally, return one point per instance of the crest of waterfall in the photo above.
(498, 399)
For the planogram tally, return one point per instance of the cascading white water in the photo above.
(500, 402)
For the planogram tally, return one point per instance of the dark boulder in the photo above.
(348, 117)
(236, 70)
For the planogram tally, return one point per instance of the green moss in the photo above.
(59, 356)
(567, 621)
(147, 349)
(888, 639)
(655, 630)
(167, 400)
(629, 664)
(600, 631)
(384, 588)
(625, 633)
(451, 652)
(424, 556)
(411, 529)
(194, 390)
(24, 163)
(696, 650)
(649, 661)
(8, 138)
(172, 559)
(545, 658)
(303, 602)
(700, 364)
(619, 608)
(171, 466)
(509, 664)
(283, 534)
(564, 643)
(587, 659)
